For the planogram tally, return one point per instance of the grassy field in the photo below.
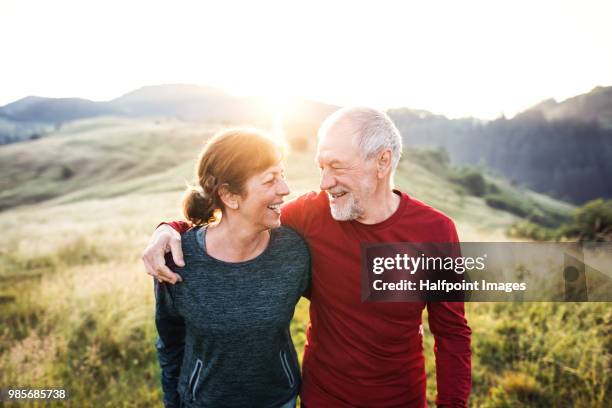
(76, 309)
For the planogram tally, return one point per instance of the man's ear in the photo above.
(383, 163)
(229, 199)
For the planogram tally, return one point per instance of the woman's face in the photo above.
(263, 197)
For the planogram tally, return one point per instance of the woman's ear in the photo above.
(229, 199)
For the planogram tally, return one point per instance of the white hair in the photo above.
(373, 131)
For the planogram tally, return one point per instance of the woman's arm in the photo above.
(170, 343)
(307, 271)
(307, 278)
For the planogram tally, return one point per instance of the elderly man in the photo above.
(361, 354)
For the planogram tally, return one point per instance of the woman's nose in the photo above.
(283, 188)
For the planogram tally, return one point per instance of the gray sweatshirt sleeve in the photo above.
(170, 343)
(307, 277)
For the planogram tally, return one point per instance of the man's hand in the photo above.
(165, 239)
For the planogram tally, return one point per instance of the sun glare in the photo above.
(278, 103)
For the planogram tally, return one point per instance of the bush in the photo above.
(66, 172)
(540, 217)
(505, 202)
(492, 188)
(591, 222)
(472, 180)
(533, 231)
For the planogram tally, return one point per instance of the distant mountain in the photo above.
(19, 106)
(55, 110)
(33, 116)
(595, 105)
(188, 102)
(567, 157)
(559, 148)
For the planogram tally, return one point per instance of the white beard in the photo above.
(350, 210)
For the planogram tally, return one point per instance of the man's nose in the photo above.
(327, 181)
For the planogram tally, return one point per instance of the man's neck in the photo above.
(380, 207)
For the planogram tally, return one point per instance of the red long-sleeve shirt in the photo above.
(370, 354)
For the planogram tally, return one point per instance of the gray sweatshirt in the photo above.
(224, 331)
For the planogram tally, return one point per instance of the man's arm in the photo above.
(180, 226)
(453, 353)
(170, 343)
(166, 238)
(452, 344)
(292, 216)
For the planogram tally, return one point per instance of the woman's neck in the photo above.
(232, 242)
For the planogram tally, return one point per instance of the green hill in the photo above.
(112, 157)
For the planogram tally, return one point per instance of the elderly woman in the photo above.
(224, 329)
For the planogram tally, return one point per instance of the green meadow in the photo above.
(76, 308)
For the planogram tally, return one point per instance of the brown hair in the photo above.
(229, 159)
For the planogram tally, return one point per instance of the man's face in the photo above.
(347, 178)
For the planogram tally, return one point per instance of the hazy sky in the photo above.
(458, 58)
